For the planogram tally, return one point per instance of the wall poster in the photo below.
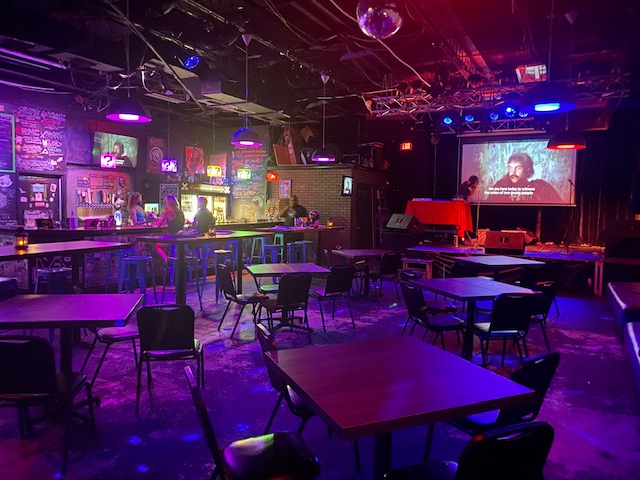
(39, 140)
(155, 153)
(285, 188)
(7, 145)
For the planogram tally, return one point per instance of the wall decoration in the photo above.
(39, 137)
(285, 188)
(7, 146)
(156, 148)
(194, 157)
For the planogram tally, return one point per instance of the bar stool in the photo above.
(192, 268)
(204, 251)
(139, 264)
(260, 244)
(232, 245)
(275, 253)
(308, 250)
(115, 276)
(293, 252)
(278, 239)
(58, 279)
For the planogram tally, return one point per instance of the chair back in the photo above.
(340, 279)
(512, 311)
(413, 299)
(390, 263)
(293, 292)
(27, 366)
(517, 451)
(226, 282)
(535, 373)
(205, 422)
(268, 344)
(464, 269)
(544, 302)
(166, 327)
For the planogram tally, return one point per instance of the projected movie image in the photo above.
(520, 172)
(125, 149)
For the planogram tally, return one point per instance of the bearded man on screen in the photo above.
(516, 185)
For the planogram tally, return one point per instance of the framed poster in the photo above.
(285, 188)
(347, 185)
(194, 160)
(155, 154)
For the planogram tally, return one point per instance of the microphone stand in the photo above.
(474, 243)
(571, 200)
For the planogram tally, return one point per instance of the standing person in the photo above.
(136, 212)
(203, 219)
(292, 211)
(173, 218)
(468, 188)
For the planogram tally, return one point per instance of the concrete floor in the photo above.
(592, 403)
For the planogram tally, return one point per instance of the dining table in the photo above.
(279, 269)
(470, 290)
(361, 254)
(68, 312)
(377, 387)
(190, 239)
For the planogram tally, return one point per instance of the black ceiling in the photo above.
(451, 44)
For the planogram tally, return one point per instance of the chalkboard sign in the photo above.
(8, 212)
(79, 144)
(7, 148)
(39, 140)
(248, 194)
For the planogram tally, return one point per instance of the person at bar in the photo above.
(203, 219)
(136, 213)
(173, 218)
(292, 210)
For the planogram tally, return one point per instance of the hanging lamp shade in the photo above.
(245, 137)
(128, 110)
(567, 140)
(323, 155)
(548, 98)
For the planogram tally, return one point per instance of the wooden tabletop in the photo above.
(68, 310)
(373, 387)
(451, 250)
(468, 288)
(9, 252)
(279, 269)
(185, 239)
(498, 261)
(285, 229)
(361, 253)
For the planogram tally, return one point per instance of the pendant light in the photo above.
(128, 110)
(547, 97)
(246, 137)
(323, 154)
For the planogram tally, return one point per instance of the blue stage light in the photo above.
(494, 116)
(509, 112)
(447, 120)
(469, 118)
(523, 114)
(191, 62)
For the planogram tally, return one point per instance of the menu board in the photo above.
(79, 144)
(7, 148)
(39, 139)
(248, 194)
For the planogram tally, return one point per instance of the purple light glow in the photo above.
(128, 117)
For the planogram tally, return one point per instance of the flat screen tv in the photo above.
(125, 149)
(519, 171)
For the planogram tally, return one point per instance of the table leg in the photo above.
(467, 336)
(181, 276)
(597, 277)
(66, 349)
(240, 265)
(382, 455)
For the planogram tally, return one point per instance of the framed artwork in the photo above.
(156, 151)
(347, 185)
(194, 157)
(285, 188)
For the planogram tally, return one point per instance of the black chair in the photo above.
(433, 316)
(390, 263)
(535, 373)
(28, 378)
(542, 307)
(510, 320)
(108, 336)
(268, 457)
(517, 451)
(293, 296)
(166, 334)
(338, 285)
(243, 299)
(294, 402)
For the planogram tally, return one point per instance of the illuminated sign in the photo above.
(272, 177)
(214, 171)
(169, 165)
(406, 146)
(108, 160)
(244, 174)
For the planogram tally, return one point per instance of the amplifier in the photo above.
(510, 243)
(405, 222)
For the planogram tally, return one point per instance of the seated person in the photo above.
(203, 219)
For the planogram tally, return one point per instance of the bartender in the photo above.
(292, 211)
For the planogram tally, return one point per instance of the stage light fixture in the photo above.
(246, 137)
(469, 117)
(548, 98)
(323, 154)
(493, 116)
(567, 140)
(509, 111)
(522, 114)
(447, 120)
(191, 62)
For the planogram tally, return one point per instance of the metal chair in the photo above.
(28, 378)
(166, 334)
(268, 457)
(108, 336)
(338, 285)
(293, 296)
(390, 263)
(516, 451)
(242, 299)
(542, 307)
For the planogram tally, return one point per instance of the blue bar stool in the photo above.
(278, 239)
(115, 275)
(275, 253)
(257, 249)
(139, 264)
(294, 251)
(232, 245)
(205, 251)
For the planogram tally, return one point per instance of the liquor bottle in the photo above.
(117, 216)
(73, 221)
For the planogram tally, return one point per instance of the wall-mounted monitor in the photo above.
(519, 171)
(347, 185)
(169, 165)
(124, 148)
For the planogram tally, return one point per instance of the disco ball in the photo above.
(378, 19)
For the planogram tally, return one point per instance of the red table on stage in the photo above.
(442, 212)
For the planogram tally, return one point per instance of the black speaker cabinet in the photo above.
(404, 222)
(505, 243)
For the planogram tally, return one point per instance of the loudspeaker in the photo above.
(505, 243)
(408, 223)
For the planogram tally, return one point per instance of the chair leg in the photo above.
(483, 350)
(135, 351)
(556, 305)
(139, 381)
(427, 446)
(273, 413)
(543, 327)
(356, 453)
(442, 339)
(104, 354)
(224, 315)
(324, 328)
(237, 320)
(89, 352)
(524, 347)
(504, 350)
(405, 326)
(303, 423)
(353, 322)
(395, 286)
